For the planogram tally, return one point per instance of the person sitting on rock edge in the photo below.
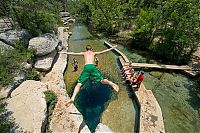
(139, 80)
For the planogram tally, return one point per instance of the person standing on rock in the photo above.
(89, 70)
(96, 61)
(75, 64)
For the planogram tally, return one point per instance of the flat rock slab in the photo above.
(151, 120)
(44, 45)
(44, 63)
(29, 106)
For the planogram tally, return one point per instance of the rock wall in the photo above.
(64, 119)
(46, 50)
(14, 36)
(29, 106)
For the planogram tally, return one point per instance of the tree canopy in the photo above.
(169, 28)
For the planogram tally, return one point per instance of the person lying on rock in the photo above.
(89, 70)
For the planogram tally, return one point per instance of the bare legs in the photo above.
(78, 87)
(114, 86)
(76, 90)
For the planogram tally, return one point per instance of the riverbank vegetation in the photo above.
(169, 29)
(51, 100)
(37, 17)
(11, 62)
(6, 123)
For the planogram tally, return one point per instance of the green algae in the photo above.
(97, 102)
(177, 95)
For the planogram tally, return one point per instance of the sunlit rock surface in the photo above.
(29, 106)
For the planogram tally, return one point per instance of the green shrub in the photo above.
(39, 16)
(5, 122)
(51, 100)
(10, 62)
(33, 75)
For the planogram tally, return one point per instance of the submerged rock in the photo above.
(5, 92)
(102, 128)
(29, 106)
(156, 74)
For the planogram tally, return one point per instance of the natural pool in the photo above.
(177, 94)
(97, 102)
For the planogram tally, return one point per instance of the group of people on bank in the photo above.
(131, 77)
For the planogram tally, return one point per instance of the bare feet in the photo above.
(69, 102)
(115, 87)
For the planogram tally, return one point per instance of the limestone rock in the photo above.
(64, 14)
(71, 20)
(44, 63)
(14, 36)
(29, 106)
(66, 19)
(103, 128)
(27, 66)
(44, 44)
(6, 91)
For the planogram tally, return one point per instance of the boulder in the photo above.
(103, 128)
(29, 106)
(64, 14)
(66, 18)
(4, 46)
(6, 91)
(44, 63)
(44, 44)
(14, 36)
(71, 20)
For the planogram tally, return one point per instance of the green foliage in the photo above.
(143, 32)
(37, 17)
(169, 29)
(51, 100)
(175, 26)
(5, 122)
(10, 62)
(104, 15)
(33, 75)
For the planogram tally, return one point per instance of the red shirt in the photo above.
(140, 79)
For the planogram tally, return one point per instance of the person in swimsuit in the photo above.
(89, 70)
(75, 64)
(96, 61)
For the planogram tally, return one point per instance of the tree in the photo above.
(39, 16)
(175, 26)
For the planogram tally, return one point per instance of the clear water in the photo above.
(98, 102)
(178, 96)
